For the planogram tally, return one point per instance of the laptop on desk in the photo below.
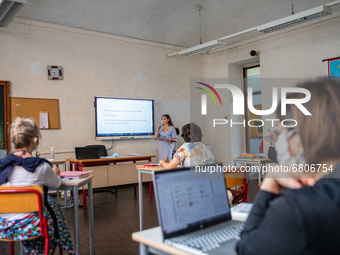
(194, 213)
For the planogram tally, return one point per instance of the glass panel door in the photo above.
(254, 135)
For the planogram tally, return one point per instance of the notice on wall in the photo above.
(43, 119)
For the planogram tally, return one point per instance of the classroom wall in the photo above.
(94, 64)
(97, 64)
(293, 53)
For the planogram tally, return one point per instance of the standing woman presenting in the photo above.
(169, 133)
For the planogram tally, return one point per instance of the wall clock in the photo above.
(54, 72)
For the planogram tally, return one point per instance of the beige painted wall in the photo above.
(97, 64)
(94, 64)
(293, 53)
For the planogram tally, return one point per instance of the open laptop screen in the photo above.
(186, 204)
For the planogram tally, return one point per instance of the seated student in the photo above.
(298, 212)
(22, 169)
(193, 152)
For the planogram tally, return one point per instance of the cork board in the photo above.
(31, 108)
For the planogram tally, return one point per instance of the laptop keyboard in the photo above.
(214, 239)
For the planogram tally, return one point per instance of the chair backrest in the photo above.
(101, 148)
(234, 179)
(21, 199)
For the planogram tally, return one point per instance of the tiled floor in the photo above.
(115, 219)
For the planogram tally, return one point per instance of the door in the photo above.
(5, 114)
(254, 135)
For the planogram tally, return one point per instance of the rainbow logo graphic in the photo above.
(209, 93)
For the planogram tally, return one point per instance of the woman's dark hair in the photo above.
(168, 117)
(319, 132)
(177, 131)
(191, 133)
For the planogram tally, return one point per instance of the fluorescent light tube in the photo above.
(211, 45)
(301, 17)
(9, 10)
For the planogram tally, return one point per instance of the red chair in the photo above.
(24, 199)
(237, 178)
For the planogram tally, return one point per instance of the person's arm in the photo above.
(51, 179)
(274, 226)
(173, 163)
(157, 132)
(173, 140)
(178, 157)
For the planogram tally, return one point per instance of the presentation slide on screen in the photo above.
(124, 117)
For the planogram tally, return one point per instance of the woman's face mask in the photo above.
(36, 144)
(282, 149)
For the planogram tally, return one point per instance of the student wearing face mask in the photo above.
(21, 169)
(288, 145)
(298, 212)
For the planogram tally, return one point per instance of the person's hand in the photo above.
(56, 170)
(275, 182)
(159, 127)
(168, 140)
(161, 162)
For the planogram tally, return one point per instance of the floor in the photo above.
(115, 219)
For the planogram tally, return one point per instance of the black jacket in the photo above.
(300, 221)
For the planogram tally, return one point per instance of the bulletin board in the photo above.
(32, 107)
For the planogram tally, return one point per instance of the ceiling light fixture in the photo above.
(295, 19)
(214, 44)
(10, 9)
(202, 47)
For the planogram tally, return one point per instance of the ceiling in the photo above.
(173, 22)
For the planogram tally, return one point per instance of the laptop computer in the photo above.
(87, 153)
(194, 213)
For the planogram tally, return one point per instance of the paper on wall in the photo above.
(43, 119)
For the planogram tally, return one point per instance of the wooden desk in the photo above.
(106, 161)
(109, 172)
(144, 170)
(254, 161)
(74, 185)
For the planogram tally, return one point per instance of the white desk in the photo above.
(60, 162)
(254, 161)
(143, 170)
(74, 185)
(152, 239)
